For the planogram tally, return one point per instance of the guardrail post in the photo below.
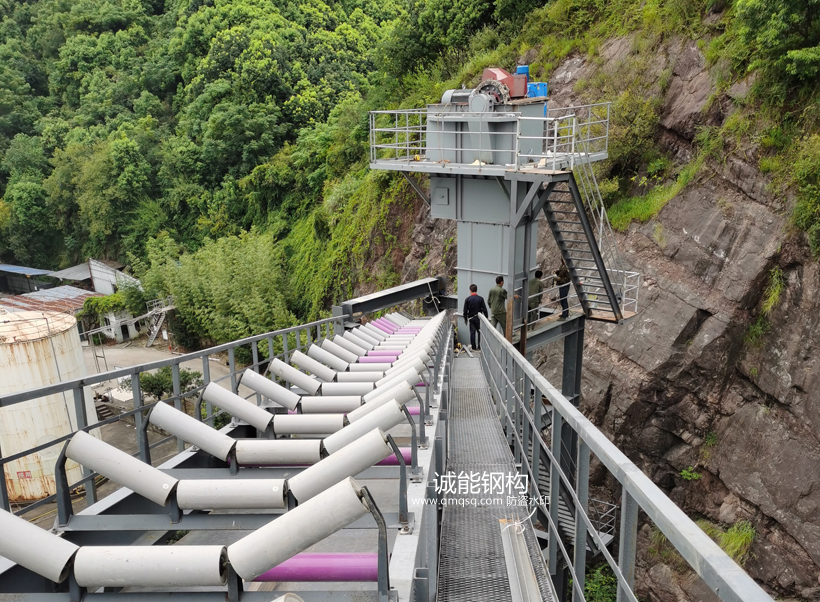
(232, 368)
(82, 422)
(177, 400)
(555, 480)
(4, 492)
(206, 378)
(628, 542)
(582, 491)
(255, 366)
(139, 419)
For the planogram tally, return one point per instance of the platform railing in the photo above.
(261, 348)
(516, 387)
(556, 141)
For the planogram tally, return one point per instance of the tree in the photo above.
(784, 33)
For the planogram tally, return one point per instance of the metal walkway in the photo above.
(472, 566)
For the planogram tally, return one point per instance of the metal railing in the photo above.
(514, 385)
(279, 343)
(490, 140)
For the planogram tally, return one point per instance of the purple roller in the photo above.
(388, 324)
(382, 352)
(378, 359)
(391, 460)
(380, 327)
(325, 567)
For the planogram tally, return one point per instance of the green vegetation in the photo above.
(220, 146)
(643, 208)
(601, 585)
(660, 548)
(689, 474)
(709, 442)
(771, 298)
(736, 541)
(160, 384)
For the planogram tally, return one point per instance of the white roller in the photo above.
(402, 393)
(370, 448)
(307, 424)
(191, 430)
(330, 405)
(366, 335)
(297, 530)
(341, 351)
(392, 318)
(418, 348)
(410, 375)
(120, 467)
(348, 346)
(233, 494)
(236, 406)
(410, 364)
(281, 452)
(359, 377)
(293, 376)
(34, 548)
(421, 353)
(385, 418)
(358, 341)
(150, 566)
(312, 366)
(409, 359)
(356, 388)
(327, 358)
(375, 332)
(289, 598)
(271, 390)
(377, 366)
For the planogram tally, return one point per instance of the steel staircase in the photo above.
(154, 327)
(157, 309)
(577, 217)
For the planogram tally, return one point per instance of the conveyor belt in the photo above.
(472, 567)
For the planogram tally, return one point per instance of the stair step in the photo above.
(563, 221)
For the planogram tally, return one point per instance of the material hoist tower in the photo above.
(496, 157)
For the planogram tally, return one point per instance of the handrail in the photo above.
(85, 381)
(723, 576)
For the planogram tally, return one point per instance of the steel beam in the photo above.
(390, 297)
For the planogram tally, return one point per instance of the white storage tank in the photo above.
(38, 349)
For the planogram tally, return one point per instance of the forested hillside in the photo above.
(219, 147)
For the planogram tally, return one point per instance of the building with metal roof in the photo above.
(65, 299)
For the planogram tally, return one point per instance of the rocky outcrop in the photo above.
(679, 387)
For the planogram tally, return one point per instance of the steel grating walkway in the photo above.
(472, 567)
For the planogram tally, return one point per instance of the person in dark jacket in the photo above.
(474, 305)
(562, 280)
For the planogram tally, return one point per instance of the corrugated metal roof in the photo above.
(77, 272)
(68, 299)
(21, 269)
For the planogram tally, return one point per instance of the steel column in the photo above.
(82, 422)
(139, 420)
(628, 542)
(580, 546)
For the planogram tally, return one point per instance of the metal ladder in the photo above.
(155, 326)
(574, 234)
